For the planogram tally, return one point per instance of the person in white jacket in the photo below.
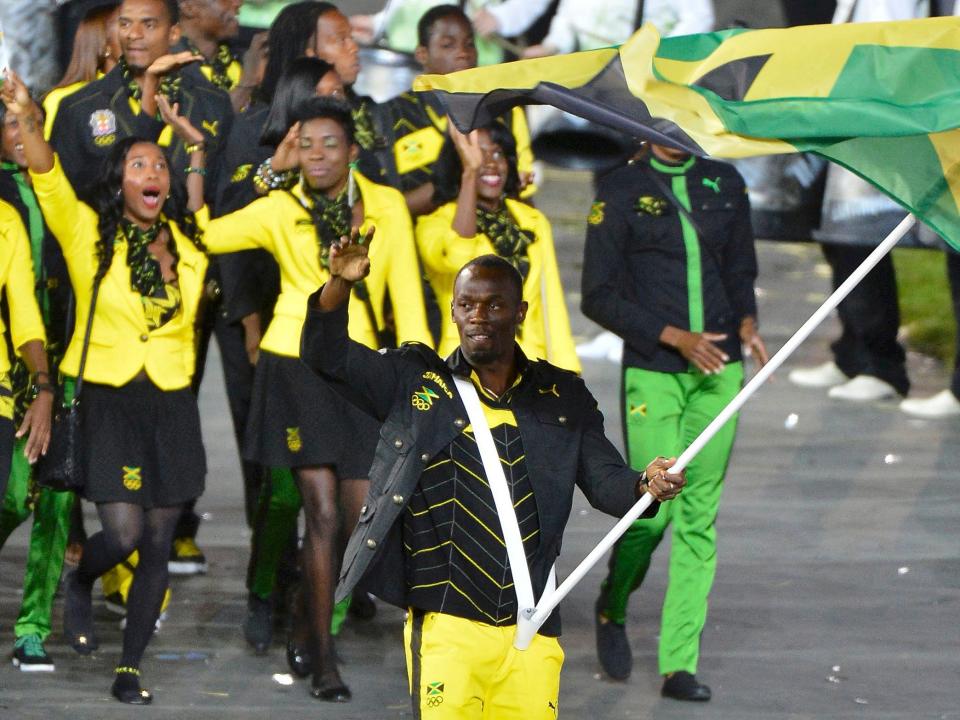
(592, 24)
(396, 24)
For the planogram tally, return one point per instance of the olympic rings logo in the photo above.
(434, 702)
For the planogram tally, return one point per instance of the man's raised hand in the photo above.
(349, 259)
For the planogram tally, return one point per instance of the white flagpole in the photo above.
(528, 624)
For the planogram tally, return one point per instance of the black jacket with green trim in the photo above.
(560, 425)
(635, 262)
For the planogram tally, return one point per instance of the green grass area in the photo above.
(925, 307)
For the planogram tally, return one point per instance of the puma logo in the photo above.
(712, 184)
(552, 390)
(211, 127)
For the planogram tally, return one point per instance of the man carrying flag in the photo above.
(669, 266)
(464, 542)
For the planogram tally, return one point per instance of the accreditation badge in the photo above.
(103, 127)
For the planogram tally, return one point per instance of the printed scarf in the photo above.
(509, 241)
(169, 84)
(146, 277)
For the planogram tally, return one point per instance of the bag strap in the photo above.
(86, 340)
(493, 469)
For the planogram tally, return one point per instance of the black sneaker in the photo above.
(29, 655)
(682, 685)
(258, 625)
(186, 558)
(613, 648)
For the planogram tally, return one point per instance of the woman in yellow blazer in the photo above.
(27, 337)
(144, 458)
(486, 217)
(295, 419)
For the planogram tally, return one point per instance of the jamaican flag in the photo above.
(881, 99)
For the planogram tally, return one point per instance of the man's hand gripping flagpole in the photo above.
(530, 620)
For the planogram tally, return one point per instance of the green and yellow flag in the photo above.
(881, 99)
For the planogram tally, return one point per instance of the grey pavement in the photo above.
(837, 592)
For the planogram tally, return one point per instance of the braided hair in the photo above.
(108, 203)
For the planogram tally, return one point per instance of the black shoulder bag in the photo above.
(61, 469)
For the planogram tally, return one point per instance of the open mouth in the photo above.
(18, 147)
(491, 180)
(151, 198)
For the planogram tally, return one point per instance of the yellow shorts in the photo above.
(470, 671)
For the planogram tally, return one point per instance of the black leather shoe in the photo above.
(299, 660)
(362, 606)
(613, 648)
(682, 685)
(126, 688)
(258, 625)
(78, 615)
(332, 693)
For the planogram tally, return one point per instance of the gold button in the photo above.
(398, 499)
(144, 337)
(425, 457)
(371, 543)
(562, 419)
(398, 443)
(459, 422)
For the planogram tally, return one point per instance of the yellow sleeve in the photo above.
(404, 280)
(65, 215)
(521, 133)
(442, 249)
(561, 350)
(26, 323)
(51, 104)
(248, 228)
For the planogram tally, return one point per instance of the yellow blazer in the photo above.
(546, 331)
(280, 224)
(18, 283)
(121, 345)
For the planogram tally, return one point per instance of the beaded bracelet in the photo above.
(127, 670)
(202, 172)
(269, 179)
(195, 147)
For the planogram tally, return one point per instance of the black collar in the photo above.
(458, 365)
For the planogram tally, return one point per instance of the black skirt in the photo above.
(297, 420)
(6, 453)
(142, 445)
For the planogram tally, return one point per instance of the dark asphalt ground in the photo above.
(837, 591)
(838, 548)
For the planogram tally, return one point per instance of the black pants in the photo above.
(870, 317)
(238, 378)
(953, 275)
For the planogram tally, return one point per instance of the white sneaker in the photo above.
(819, 376)
(943, 404)
(606, 345)
(863, 388)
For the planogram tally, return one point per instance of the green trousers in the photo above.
(280, 505)
(48, 542)
(663, 413)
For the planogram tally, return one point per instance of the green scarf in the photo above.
(331, 220)
(146, 277)
(219, 66)
(169, 83)
(363, 130)
(509, 241)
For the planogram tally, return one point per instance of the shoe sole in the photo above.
(116, 608)
(33, 667)
(179, 567)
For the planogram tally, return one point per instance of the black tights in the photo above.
(322, 549)
(126, 528)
